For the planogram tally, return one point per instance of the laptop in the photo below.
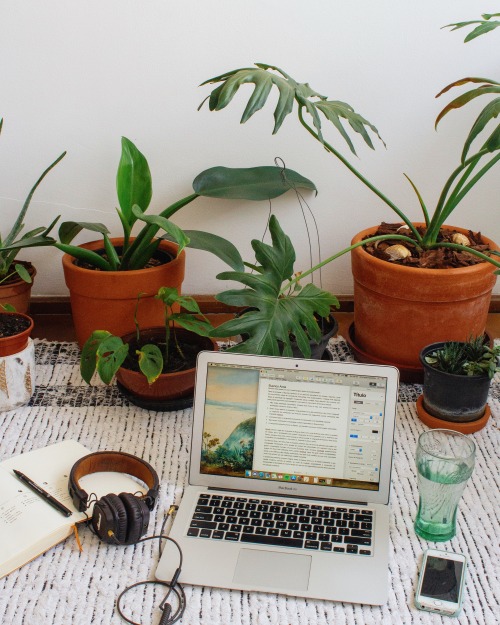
(289, 479)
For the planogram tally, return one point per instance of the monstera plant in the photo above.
(313, 108)
(278, 310)
(404, 295)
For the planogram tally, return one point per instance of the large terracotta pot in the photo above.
(106, 300)
(168, 386)
(398, 310)
(18, 293)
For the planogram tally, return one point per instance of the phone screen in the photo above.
(442, 579)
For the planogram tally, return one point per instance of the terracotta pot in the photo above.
(13, 344)
(398, 310)
(18, 293)
(106, 300)
(168, 386)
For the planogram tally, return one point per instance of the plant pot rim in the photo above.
(464, 427)
(68, 261)
(435, 346)
(16, 343)
(19, 281)
(159, 330)
(407, 270)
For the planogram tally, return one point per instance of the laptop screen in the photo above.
(304, 427)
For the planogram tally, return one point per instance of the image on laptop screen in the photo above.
(317, 428)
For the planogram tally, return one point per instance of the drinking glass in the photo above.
(445, 461)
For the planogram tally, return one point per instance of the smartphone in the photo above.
(441, 582)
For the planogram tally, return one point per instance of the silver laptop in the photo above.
(289, 478)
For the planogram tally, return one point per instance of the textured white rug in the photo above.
(64, 587)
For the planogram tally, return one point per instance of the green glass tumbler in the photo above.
(445, 461)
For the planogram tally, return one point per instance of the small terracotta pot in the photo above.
(13, 344)
(168, 386)
(398, 310)
(106, 300)
(18, 293)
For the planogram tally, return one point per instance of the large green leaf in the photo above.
(490, 111)
(69, 229)
(483, 26)
(274, 317)
(250, 183)
(165, 224)
(202, 327)
(263, 76)
(18, 225)
(219, 246)
(489, 86)
(37, 241)
(133, 181)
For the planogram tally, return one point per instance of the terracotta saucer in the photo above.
(465, 428)
(411, 375)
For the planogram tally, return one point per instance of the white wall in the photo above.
(78, 76)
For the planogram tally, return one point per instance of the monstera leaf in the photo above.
(277, 313)
(289, 92)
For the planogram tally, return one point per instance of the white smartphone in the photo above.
(441, 582)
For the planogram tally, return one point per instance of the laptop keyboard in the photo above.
(333, 528)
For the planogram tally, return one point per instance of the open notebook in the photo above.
(28, 525)
(289, 478)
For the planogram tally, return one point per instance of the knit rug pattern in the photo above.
(66, 587)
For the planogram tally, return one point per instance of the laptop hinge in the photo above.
(285, 496)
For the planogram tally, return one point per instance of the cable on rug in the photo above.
(169, 615)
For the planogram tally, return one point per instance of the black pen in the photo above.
(43, 493)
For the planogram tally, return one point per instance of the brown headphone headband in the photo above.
(118, 461)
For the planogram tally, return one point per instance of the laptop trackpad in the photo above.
(271, 569)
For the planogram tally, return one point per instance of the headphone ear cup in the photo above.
(137, 517)
(109, 520)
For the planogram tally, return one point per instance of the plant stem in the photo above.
(440, 215)
(360, 176)
(380, 237)
(460, 196)
(465, 248)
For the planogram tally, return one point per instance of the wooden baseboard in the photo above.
(208, 305)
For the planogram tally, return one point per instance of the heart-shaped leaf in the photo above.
(250, 183)
(150, 362)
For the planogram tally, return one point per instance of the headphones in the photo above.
(116, 519)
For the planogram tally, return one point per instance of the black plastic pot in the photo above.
(456, 398)
(329, 328)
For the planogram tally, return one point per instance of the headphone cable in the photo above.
(168, 616)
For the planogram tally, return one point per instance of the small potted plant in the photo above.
(17, 358)
(16, 276)
(280, 317)
(414, 282)
(156, 366)
(104, 276)
(457, 377)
